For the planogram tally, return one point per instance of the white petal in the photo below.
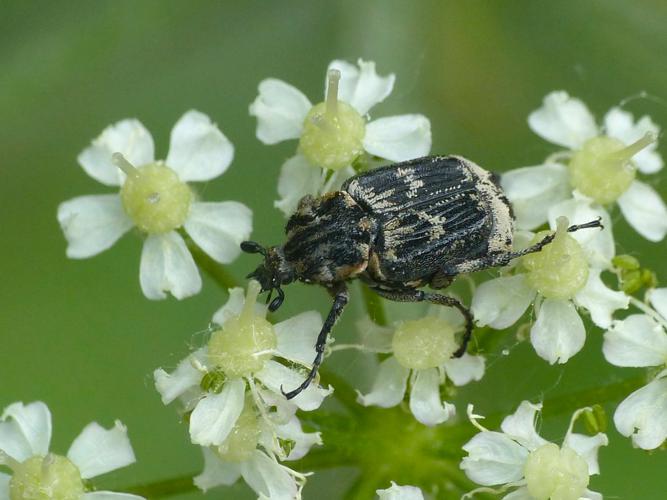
(218, 228)
(109, 495)
(425, 403)
(658, 299)
(185, 376)
(389, 386)
(591, 495)
(374, 337)
(396, 492)
(92, 223)
(563, 120)
(215, 415)
(362, 88)
(303, 441)
(97, 450)
(644, 210)
(520, 426)
(216, 472)
(167, 266)
(493, 458)
(4, 486)
(520, 494)
(297, 337)
(600, 300)
(559, 333)
(234, 306)
(620, 124)
(500, 302)
(268, 478)
(635, 341)
(587, 448)
(128, 137)
(399, 138)
(598, 244)
(33, 421)
(280, 109)
(198, 151)
(643, 415)
(297, 179)
(465, 369)
(274, 376)
(533, 190)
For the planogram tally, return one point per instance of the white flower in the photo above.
(155, 198)
(252, 452)
(602, 165)
(25, 435)
(560, 278)
(518, 457)
(640, 340)
(422, 352)
(396, 492)
(334, 134)
(213, 381)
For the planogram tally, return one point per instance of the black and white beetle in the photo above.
(397, 228)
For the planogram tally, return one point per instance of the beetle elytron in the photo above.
(397, 228)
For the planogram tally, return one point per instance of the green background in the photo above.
(80, 336)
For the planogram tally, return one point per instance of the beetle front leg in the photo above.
(411, 295)
(341, 297)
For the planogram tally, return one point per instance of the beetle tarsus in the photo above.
(341, 297)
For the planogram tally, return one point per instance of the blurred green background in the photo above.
(79, 334)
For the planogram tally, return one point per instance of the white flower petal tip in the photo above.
(269, 479)
(500, 302)
(520, 426)
(563, 120)
(297, 335)
(277, 377)
(493, 458)
(297, 179)
(465, 369)
(25, 430)
(362, 88)
(533, 190)
(399, 138)
(620, 124)
(216, 472)
(184, 377)
(167, 266)
(198, 150)
(425, 403)
(599, 300)
(128, 137)
(280, 110)
(658, 299)
(92, 224)
(636, 341)
(109, 495)
(218, 228)
(215, 415)
(98, 450)
(645, 211)
(396, 492)
(587, 447)
(303, 441)
(558, 333)
(641, 416)
(389, 386)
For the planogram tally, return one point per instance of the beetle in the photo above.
(397, 228)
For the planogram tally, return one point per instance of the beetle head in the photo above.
(270, 274)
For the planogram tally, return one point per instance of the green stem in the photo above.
(164, 488)
(374, 305)
(215, 270)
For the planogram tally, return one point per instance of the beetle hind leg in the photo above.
(411, 295)
(341, 297)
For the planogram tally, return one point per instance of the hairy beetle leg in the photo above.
(411, 295)
(341, 297)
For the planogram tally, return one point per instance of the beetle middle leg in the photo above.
(341, 296)
(412, 295)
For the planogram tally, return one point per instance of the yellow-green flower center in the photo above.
(244, 343)
(560, 269)
(242, 441)
(154, 197)
(424, 343)
(603, 168)
(555, 473)
(52, 477)
(333, 131)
